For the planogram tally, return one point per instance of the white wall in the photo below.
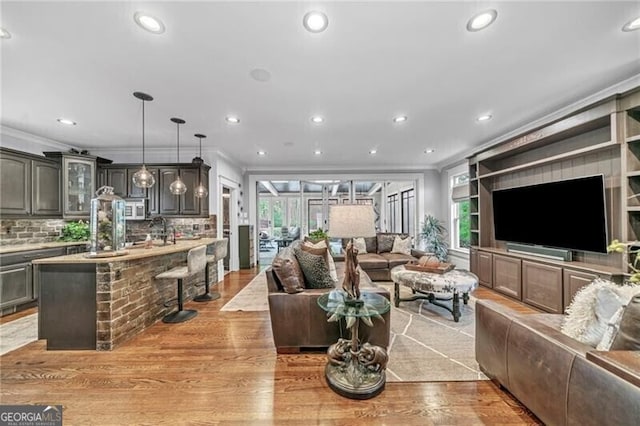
(26, 142)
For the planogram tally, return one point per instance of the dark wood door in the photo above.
(572, 282)
(117, 178)
(204, 201)
(46, 195)
(153, 205)
(169, 203)
(15, 184)
(16, 285)
(189, 203)
(132, 190)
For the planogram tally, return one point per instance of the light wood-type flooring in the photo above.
(222, 368)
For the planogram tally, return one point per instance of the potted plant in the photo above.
(630, 251)
(433, 237)
(75, 231)
(318, 235)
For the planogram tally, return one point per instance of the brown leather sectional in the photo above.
(298, 323)
(552, 374)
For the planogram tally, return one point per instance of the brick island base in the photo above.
(100, 303)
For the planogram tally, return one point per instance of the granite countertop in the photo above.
(38, 246)
(132, 253)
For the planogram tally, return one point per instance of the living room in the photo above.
(414, 108)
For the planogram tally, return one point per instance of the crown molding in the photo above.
(40, 140)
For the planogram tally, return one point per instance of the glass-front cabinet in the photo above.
(78, 183)
(79, 186)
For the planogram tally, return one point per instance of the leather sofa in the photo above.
(551, 373)
(299, 324)
(378, 261)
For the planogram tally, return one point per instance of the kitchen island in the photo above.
(101, 302)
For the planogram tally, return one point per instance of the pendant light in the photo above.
(143, 178)
(178, 187)
(201, 190)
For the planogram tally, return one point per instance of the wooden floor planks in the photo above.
(222, 368)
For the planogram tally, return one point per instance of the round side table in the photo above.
(355, 370)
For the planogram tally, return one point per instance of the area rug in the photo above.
(426, 344)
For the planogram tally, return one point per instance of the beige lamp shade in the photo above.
(351, 221)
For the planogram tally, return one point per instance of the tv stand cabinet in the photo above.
(546, 284)
(603, 138)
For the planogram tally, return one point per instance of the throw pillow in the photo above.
(315, 269)
(359, 244)
(385, 242)
(628, 336)
(402, 246)
(321, 248)
(592, 308)
(288, 272)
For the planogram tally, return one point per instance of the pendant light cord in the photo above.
(143, 132)
(200, 139)
(178, 131)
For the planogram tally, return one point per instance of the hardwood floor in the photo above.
(222, 368)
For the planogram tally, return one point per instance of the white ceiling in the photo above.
(376, 60)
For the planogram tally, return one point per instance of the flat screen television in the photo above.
(567, 214)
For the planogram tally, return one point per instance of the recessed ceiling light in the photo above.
(4, 33)
(317, 119)
(373, 151)
(315, 22)
(317, 152)
(66, 121)
(400, 119)
(262, 153)
(232, 119)
(429, 151)
(148, 22)
(260, 75)
(482, 20)
(632, 25)
(485, 117)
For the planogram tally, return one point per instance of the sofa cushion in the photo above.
(592, 308)
(372, 261)
(401, 245)
(288, 272)
(321, 248)
(315, 269)
(395, 259)
(628, 336)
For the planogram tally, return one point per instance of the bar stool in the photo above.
(219, 253)
(196, 262)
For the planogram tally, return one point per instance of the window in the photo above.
(392, 216)
(408, 211)
(460, 220)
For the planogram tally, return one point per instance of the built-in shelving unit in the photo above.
(601, 139)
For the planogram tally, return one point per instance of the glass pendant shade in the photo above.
(201, 191)
(178, 187)
(143, 178)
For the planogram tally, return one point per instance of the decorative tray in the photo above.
(444, 267)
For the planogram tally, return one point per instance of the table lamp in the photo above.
(351, 221)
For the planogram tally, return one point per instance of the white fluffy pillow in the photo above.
(401, 246)
(592, 309)
(360, 245)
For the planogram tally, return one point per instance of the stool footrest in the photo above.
(180, 316)
(207, 297)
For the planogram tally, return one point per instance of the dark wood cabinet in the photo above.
(245, 246)
(169, 204)
(117, 178)
(507, 276)
(542, 286)
(16, 285)
(574, 281)
(132, 190)
(29, 184)
(15, 184)
(153, 205)
(45, 178)
(204, 202)
(189, 203)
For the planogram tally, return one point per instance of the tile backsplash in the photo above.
(35, 231)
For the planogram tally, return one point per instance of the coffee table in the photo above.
(434, 287)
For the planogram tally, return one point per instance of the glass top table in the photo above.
(336, 302)
(355, 369)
